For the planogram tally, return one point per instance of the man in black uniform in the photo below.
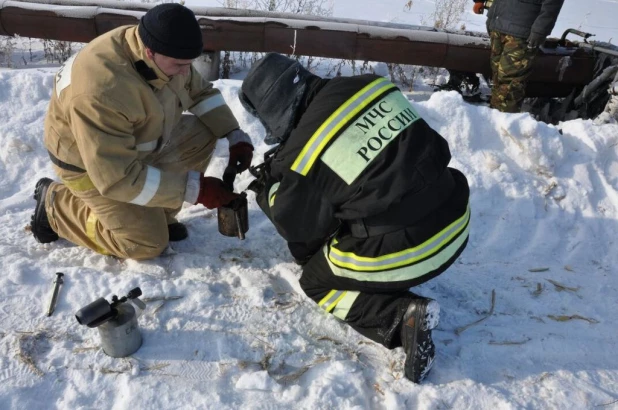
(359, 187)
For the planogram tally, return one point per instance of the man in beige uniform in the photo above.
(126, 155)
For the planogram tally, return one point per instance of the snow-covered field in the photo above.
(227, 327)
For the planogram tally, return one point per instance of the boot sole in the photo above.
(432, 318)
(40, 190)
(428, 316)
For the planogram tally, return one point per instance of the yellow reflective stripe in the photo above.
(329, 301)
(352, 261)
(345, 304)
(81, 184)
(91, 233)
(272, 193)
(410, 272)
(325, 298)
(337, 120)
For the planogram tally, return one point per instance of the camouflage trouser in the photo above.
(511, 64)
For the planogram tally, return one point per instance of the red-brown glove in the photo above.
(241, 155)
(213, 193)
(478, 7)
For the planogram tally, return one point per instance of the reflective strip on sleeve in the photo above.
(345, 304)
(147, 146)
(408, 264)
(151, 186)
(329, 301)
(318, 141)
(272, 193)
(91, 233)
(207, 105)
(63, 76)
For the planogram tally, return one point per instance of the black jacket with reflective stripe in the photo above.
(519, 17)
(395, 155)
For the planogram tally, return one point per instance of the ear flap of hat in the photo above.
(244, 101)
(279, 108)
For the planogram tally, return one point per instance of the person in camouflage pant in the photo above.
(511, 65)
(517, 29)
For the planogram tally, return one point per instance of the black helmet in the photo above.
(272, 91)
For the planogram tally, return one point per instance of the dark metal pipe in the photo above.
(594, 47)
(249, 30)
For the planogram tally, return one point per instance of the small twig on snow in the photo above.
(157, 298)
(560, 287)
(549, 188)
(509, 342)
(459, 330)
(564, 318)
(607, 404)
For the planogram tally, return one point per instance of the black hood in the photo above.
(273, 91)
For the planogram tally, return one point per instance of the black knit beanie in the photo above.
(172, 30)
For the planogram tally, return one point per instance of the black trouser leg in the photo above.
(376, 316)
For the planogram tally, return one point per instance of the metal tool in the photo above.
(54, 296)
(239, 223)
(116, 322)
(233, 218)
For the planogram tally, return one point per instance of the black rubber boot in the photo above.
(177, 231)
(39, 223)
(420, 319)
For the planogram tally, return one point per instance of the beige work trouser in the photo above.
(80, 214)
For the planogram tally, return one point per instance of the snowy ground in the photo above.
(227, 327)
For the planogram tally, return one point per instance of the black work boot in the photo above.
(39, 223)
(177, 231)
(420, 318)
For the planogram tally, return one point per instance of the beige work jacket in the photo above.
(107, 118)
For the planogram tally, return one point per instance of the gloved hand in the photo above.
(478, 7)
(241, 155)
(213, 193)
(535, 40)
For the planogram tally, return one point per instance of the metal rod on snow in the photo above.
(54, 296)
